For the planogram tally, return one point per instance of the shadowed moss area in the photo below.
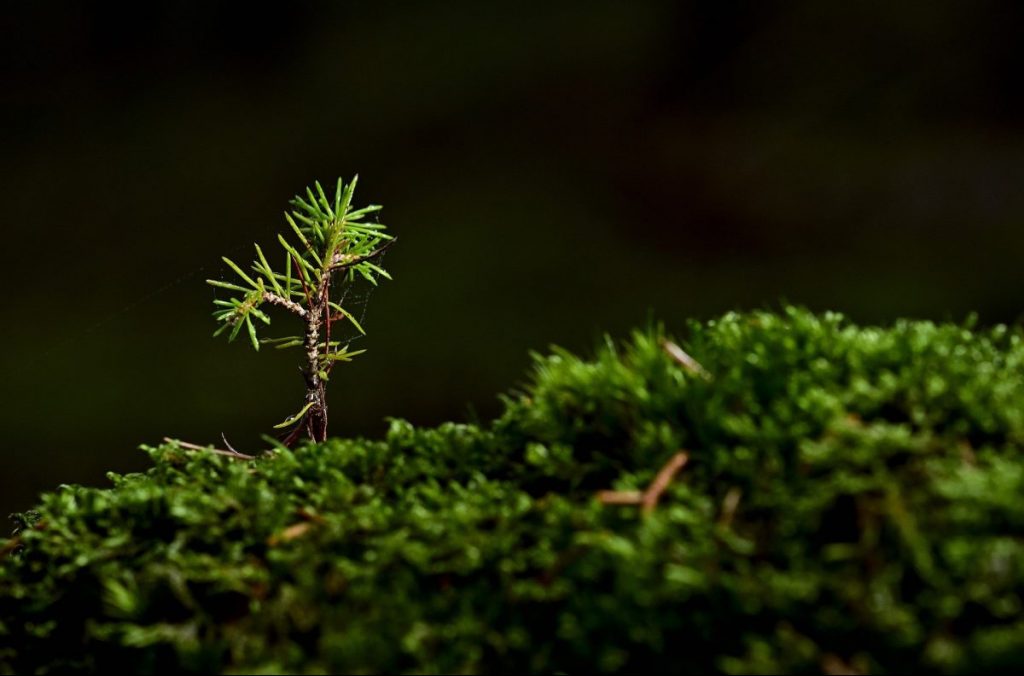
(851, 500)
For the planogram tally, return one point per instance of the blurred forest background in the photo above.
(554, 171)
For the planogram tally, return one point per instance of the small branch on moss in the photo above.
(679, 356)
(620, 497)
(649, 498)
(661, 482)
(209, 449)
(230, 447)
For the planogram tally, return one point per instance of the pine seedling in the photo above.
(332, 244)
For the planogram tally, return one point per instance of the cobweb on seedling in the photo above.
(355, 298)
(153, 292)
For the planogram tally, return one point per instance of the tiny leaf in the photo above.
(295, 418)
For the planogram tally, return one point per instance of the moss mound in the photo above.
(852, 501)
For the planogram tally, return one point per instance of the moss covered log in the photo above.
(852, 500)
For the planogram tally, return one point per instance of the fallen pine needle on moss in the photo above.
(649, 498)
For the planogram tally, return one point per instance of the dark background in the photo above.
(553, 172)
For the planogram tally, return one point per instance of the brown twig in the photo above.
(649, 498)
(620, 497)
(229, 446)
(660, 483)
(209, 449)
(679, 356)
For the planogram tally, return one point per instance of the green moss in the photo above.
(878, 525)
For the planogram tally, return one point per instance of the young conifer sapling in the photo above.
(334, 243)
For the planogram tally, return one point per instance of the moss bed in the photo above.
(852, 501)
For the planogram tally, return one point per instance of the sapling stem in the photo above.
(334, 242)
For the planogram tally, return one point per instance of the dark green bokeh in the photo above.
(552, 172)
